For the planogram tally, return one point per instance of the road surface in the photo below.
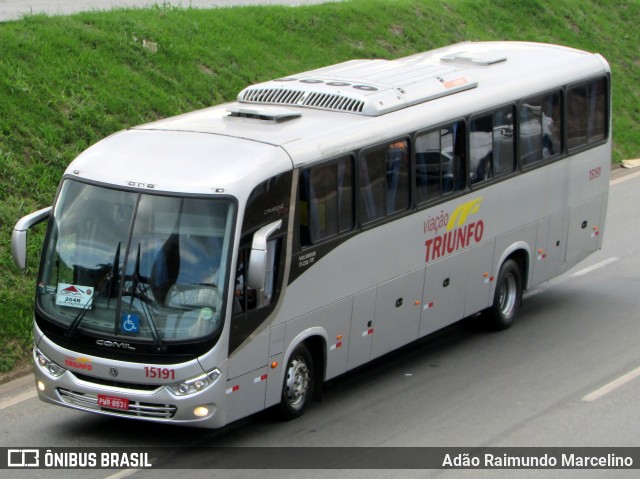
(15, 9)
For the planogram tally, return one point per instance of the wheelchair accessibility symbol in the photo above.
(130, 323)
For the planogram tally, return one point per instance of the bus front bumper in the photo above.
(64, 388)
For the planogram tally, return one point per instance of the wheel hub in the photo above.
(507, 295)
(297, 382)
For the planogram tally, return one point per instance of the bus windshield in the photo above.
(136, 265)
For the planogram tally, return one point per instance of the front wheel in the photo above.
(507, 298)
(297, 387)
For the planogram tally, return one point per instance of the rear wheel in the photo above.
(297, 387)
(507, 297)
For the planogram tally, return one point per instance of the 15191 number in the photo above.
(159, 373)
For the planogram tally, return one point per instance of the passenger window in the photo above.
(491, 145)
(440, 161)
(481, 148)
(428, 166)
(540, 128)
(383, 173)
(325, 201)
(503, 141)
(587, 113)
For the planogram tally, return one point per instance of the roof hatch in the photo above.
(469, 58)
(270, 115)
(365, 87)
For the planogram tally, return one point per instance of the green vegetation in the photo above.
(66, 82)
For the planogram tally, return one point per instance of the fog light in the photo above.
(41, 386)
(201, 411)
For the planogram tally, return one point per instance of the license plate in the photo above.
(113, 402)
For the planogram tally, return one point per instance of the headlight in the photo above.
(47, 365)
(194, 385)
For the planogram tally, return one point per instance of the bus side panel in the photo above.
(551, 248)
(540, 255)
(361, 334)
(444, 293)
(276, 356)
(397, 317)
(336, 318)
(556, 250)
(251, 356)
(479, 280)
(584, 230)
(603, 216)
(332, 323)
(246, 394)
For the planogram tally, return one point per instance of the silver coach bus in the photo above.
(201, 268)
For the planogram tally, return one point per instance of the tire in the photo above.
(507, 298)
(297, 386)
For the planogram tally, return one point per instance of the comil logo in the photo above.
(459, 232)
(23, 458)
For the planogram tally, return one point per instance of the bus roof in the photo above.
(336, 109)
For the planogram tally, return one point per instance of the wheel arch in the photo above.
(520, 252)
(316, 340)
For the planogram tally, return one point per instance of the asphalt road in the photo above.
(15, 9)
(565, 375)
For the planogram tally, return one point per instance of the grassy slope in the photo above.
(66, 82)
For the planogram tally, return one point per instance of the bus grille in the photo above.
(136, 408)
(117, 384)
(283, 96)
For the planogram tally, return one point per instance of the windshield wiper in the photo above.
(113, 274)
(79, 317)
(137, 288)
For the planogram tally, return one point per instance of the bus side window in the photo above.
(383, 174)
(481, 148)
(428, 166)
(397, 165)
(325, 201)
(587, 113)
(440, 162)
(540, 128)
(453, 151)
(552, 125)
(503, 141)
(492, 145)
(372, 185)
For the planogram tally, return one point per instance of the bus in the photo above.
(201, 268)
